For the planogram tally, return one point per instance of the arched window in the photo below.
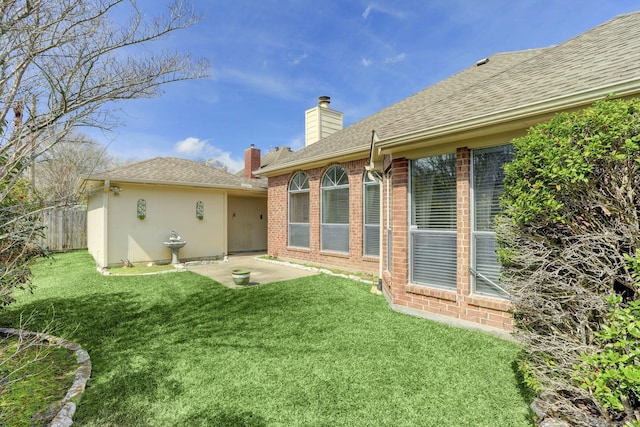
(334, 226)
(371, 220)
(299, 211)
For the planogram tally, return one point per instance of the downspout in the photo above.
(105, 224)
(370, 168)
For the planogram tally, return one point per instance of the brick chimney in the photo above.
(251, 161)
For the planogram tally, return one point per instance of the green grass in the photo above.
(36, 378)
(182, 350)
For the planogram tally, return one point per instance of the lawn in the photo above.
(178, 349)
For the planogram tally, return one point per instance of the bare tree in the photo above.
(57, 171)
(62, 65)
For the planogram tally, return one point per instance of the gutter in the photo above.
(179, 184)
(357, 153)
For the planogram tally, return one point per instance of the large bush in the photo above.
(567, 238)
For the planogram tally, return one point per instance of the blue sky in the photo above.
(271, 60)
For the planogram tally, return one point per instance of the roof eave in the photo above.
(526, 115)
(175, 184)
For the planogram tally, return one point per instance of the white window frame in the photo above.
(488, 272)
(300, 188)
(370, 228)
(441, 275)
(333, 183)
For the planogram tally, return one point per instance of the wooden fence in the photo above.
(65, 228)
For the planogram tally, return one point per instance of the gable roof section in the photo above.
(277, 155)
(602, 61)
(175, 171)
(587, 67)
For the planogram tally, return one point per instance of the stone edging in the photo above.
(64, 418)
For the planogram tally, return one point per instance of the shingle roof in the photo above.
(174, 171)
(599, 58)
(278, 154)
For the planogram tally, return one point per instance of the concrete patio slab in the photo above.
(262, 270)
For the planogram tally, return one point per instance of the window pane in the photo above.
(335, 176)
(433, 215)
(299, 207)
(335, 238)
(299, 235)
(335, 206)
(372, 204)
(372, 240)
(434, 259)
(486, 263)
(488, 183)
(299, 210)
(299, 182)
(334, 227)
(433, 193)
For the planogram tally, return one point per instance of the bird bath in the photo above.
(175, 243)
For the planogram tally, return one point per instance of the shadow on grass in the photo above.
(132, 344)
(187, 351)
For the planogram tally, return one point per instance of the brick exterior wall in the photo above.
(355, 260)
(460, 304)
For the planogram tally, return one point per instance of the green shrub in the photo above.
(612, 373)
(570, 223)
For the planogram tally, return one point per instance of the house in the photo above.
(133, 209)
(409, 193)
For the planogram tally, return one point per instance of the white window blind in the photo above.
(487, 187)
(433, 221)
(299, 211)
(371, 191)
(334, 227)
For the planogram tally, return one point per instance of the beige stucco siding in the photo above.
(167, 209)
(247, 219)
(96, 233)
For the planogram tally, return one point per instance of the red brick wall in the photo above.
(459, 304)
(278, 222)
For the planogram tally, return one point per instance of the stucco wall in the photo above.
(247, 223)
(95, 232)
(167, 208)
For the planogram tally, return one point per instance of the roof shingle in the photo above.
(175, 171)
(606, 55)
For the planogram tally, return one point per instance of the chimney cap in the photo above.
(324, 101)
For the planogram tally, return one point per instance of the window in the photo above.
(388, 222)
(487, 186)
(433, 221)
(334, 226)
(371, 191)
(299, 211)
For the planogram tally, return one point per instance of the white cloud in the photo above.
(373, 7)
(297, 60)
(277, 85)
(394, 59)
(201, 148)
(366, 62)
(190, 146)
